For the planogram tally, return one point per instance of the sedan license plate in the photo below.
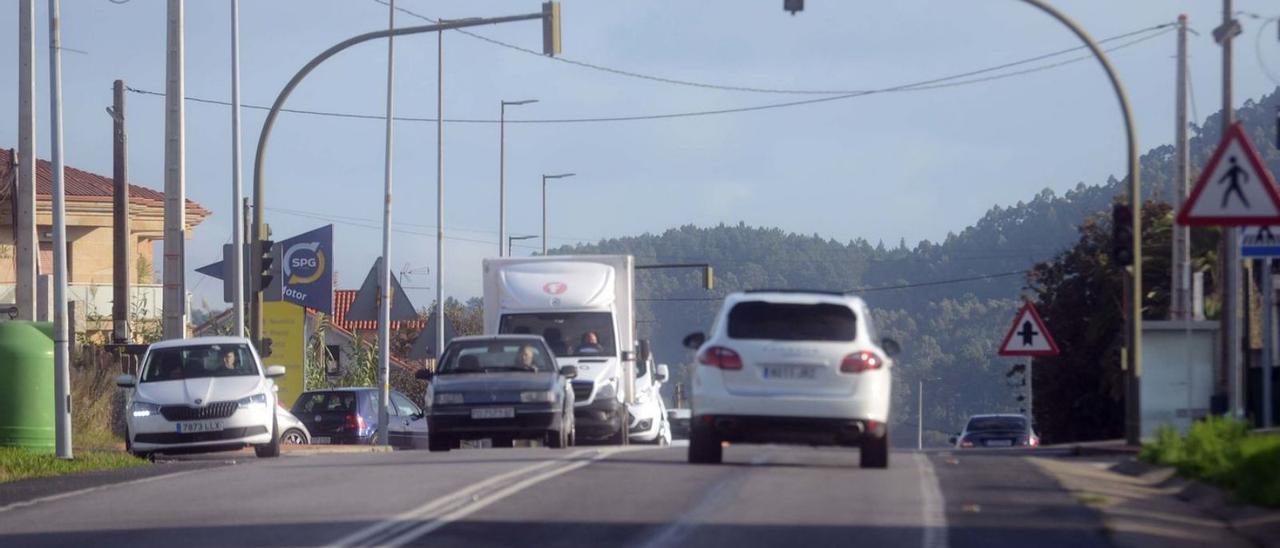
(791, 372)
(193, 427)
(999, 443)
(493, 413)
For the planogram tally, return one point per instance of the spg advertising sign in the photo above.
(307, 266)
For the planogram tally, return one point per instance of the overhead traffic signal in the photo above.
(793, 6)
(1122, 234)
(266, 275)
(551, 29)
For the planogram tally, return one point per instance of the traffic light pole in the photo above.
(259, 188)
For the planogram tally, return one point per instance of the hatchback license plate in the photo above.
(493, 413)
(999, 443)
(193, 427)
(791, 372)
(320, 440)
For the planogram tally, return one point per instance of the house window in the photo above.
(333, 360)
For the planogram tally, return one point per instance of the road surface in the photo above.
(641, 497)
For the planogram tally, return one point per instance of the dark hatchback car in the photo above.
(350, 416)
(996, 430)
(503, 388)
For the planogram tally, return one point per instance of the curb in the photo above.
(1260, 525)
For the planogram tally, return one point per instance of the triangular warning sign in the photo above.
(365, 305)
(424, 348)
(1235, 188)
(1028, 336)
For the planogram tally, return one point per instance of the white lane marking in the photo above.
(415, 515)
(715, 498)
(933, 509)
(87, 490)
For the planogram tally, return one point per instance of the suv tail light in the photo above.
(719, 356)
(355, 422)
(858, 362)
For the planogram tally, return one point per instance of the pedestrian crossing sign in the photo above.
(1235, 188)
(1028, 336)
(1260, 242)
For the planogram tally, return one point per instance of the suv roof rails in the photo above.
(818, 291)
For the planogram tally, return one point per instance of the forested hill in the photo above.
(948, 302)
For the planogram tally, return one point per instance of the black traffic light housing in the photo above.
(264, 252)
(793, 6)
(1122, 234)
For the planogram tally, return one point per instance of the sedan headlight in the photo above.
(256, 401)
(144, 409)
(541, 396)
(447, 398)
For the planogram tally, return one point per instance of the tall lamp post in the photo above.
(502, 170)
(514, 238)
(544, 205)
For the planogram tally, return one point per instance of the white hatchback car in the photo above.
(800, 367)
(202, 394)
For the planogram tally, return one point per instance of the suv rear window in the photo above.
(320, 402)
(792, 322)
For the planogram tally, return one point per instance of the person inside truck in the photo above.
(590, 343)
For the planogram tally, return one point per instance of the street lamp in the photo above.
(502, 171)
(544, 205)
(513, 238)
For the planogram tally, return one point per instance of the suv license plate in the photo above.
(791, 372)
(493, 413)
(193, 427)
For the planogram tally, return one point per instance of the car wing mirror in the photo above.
(569, 371)
(663, 373)
(126, 381)
(694, 340)
(890, 346)
(275, 371)
(424, 374)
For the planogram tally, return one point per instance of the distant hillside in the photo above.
(947, 302)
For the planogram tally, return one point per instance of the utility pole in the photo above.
(122, 251)
(1229, 249)
(25, 185)
(62, 370)
(1180, 308)
(920, 415)
(175, 299)
(439, 192)
(237, 189)
(384, 277)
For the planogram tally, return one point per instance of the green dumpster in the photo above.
(26, 385)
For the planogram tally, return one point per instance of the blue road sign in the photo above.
(306, 262)
(1260, 241)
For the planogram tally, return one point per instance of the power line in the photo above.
(864, 289)
(954, 80)
(748, 89)
(363, 222)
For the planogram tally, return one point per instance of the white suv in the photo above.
(800, 367)
(202, 394)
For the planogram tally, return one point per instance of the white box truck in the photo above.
(584, 306)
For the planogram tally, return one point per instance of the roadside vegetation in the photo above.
(1221, 451)
(18, 463)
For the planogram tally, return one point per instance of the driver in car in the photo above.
(230, 359)
(524, 358)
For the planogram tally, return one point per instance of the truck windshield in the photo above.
(574, 334)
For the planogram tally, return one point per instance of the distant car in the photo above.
(649, 412)
(500, 387)
(996, 430)
(350, 416)
(800, 367)
(202, 394)
(292, 431)
(679, 420)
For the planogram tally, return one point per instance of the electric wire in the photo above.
(869, 289)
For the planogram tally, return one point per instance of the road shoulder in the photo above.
(24, 492)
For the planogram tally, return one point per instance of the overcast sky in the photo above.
(912, 164)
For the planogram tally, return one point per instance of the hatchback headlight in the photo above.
(256, 401)
(144, 409)
(540, 396)
(447, 398)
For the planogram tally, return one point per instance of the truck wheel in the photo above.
(875, 451)
(704, 446)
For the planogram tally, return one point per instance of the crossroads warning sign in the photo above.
(1028, 336)
(1235, 188)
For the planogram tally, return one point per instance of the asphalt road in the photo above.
(641, 497)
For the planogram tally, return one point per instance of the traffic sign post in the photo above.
(1028, 336)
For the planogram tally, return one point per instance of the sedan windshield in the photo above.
(493, 356)
(199, 361)
(988, 424)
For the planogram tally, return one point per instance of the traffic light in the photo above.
(264, 252)
(793, 6)
(1122, 235)
(551, 29)
(265, 349)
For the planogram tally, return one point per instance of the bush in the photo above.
(95, 407)
(1221, 451)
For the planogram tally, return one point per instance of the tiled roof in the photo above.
(342, 299)
(90, 187)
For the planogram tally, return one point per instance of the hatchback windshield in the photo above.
(567, 333)
(490, 356)
(987, 424)
(198, 361)
(792, 322)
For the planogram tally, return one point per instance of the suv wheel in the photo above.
(875, 451)
(704, 445)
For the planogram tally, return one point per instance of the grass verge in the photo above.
(1221, 451)
(18, 463)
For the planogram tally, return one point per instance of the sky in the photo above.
(911, 164)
